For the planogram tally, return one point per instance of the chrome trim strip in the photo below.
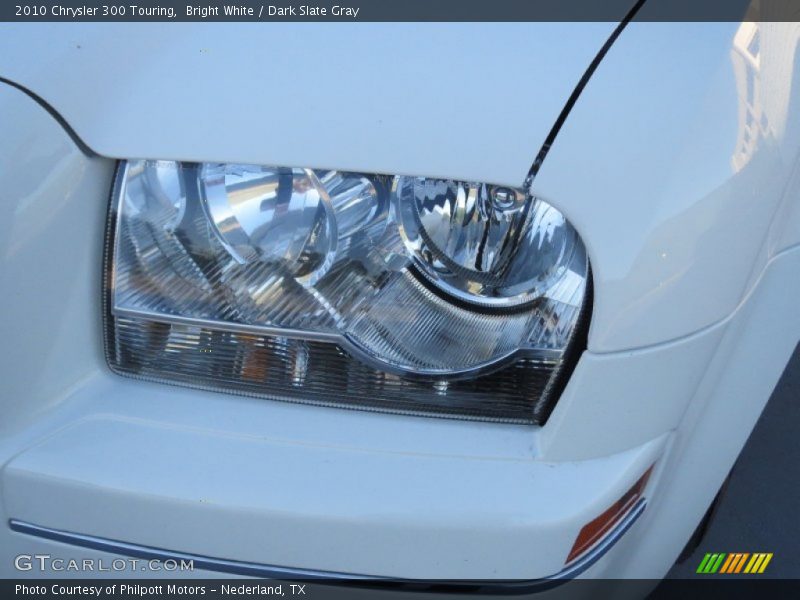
(248, 569)
(208, 563)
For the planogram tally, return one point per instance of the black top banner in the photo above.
(397, 10)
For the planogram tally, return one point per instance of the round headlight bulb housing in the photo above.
(492, 246)
(273, 215)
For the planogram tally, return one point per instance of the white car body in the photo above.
(688, 208)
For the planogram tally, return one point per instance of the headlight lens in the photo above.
(404, 294)
(487, 245)
(271, 216)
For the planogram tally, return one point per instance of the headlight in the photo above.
(402, 293)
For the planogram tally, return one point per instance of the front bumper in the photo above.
(252, 481)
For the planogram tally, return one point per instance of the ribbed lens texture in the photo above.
(403, 294)
(316, 373)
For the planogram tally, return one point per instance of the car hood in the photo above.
(471, 101)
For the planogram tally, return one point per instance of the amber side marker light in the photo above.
(594, 530)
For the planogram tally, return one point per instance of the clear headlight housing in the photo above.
(402, 294)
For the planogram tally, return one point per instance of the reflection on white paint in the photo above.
(763, 56)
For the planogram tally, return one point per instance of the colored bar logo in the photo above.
(735, 562)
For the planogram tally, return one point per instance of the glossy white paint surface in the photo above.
(684, 349)
(619, 400)
(419, 99)
(734, 390)
(52, 200)
(653, 169)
